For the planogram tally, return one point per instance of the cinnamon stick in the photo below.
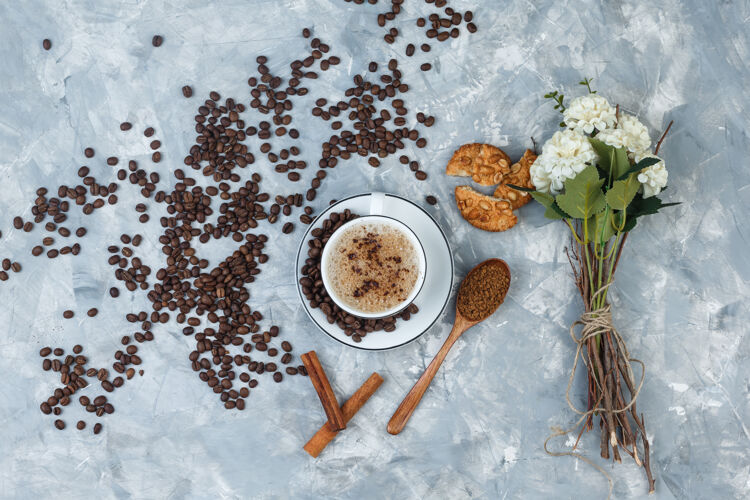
(325, 435)
(325, 392)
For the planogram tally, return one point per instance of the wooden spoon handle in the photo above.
(409, 404)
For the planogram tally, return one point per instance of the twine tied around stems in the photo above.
(594, 323)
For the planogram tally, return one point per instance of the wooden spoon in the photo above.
(461, 324)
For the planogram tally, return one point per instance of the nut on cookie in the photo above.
(519, 175)
(484, 212)
(484, 163)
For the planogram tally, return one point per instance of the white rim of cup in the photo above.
(376, 205)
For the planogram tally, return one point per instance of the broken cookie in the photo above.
(484, 163)
(519, 175)
(484, 212)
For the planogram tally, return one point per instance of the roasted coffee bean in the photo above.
(471, 27)
(431, 200)
(187, 91)
(59, 424)
(277, 377)
(97, 428)
(157, 40)
(46, 44)
(114, 292)
(81, 425)
(290, 370)
(288, 228)
(126, 126)
(45, 351)
(410, 50)
(89, 152)
(67, 314)
(92, 312)
(426, 67)
(149, 131)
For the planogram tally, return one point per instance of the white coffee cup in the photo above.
(376, 209)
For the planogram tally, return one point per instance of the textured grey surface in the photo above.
(680, 296)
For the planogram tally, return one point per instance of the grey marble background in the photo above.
(680, 297)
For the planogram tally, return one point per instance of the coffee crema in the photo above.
(373, 267)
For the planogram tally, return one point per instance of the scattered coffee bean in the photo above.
(60, 424)
(126, 126)
(92, 312)
(68, 314)
(187, 91)
(431, 200)
(157, 40)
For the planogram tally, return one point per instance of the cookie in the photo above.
(485, 164)
(519, 175)
(485, 212)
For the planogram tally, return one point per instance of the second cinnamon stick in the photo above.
(319, 380)
(325, 435)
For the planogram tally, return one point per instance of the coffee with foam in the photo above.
(373, 267)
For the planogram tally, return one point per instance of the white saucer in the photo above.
(435, 292)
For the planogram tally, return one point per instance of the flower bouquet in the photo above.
(599, 176)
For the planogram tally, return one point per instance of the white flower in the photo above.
(630, 134)
(589, 112)
(653, 178)
(563, 156)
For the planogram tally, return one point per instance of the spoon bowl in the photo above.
(460, 325)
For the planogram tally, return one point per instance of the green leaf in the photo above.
(629, 222)
(554, 212)
(622, 193)
(646, 206)
(605, 152)
(603, 229)
(545, 199)
(548, 201)
(621, 163)
(644, 163)
(583, 195)
(520, 188)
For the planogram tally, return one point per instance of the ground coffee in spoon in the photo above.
(483, 290)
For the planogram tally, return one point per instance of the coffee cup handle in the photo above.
(377, 200)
